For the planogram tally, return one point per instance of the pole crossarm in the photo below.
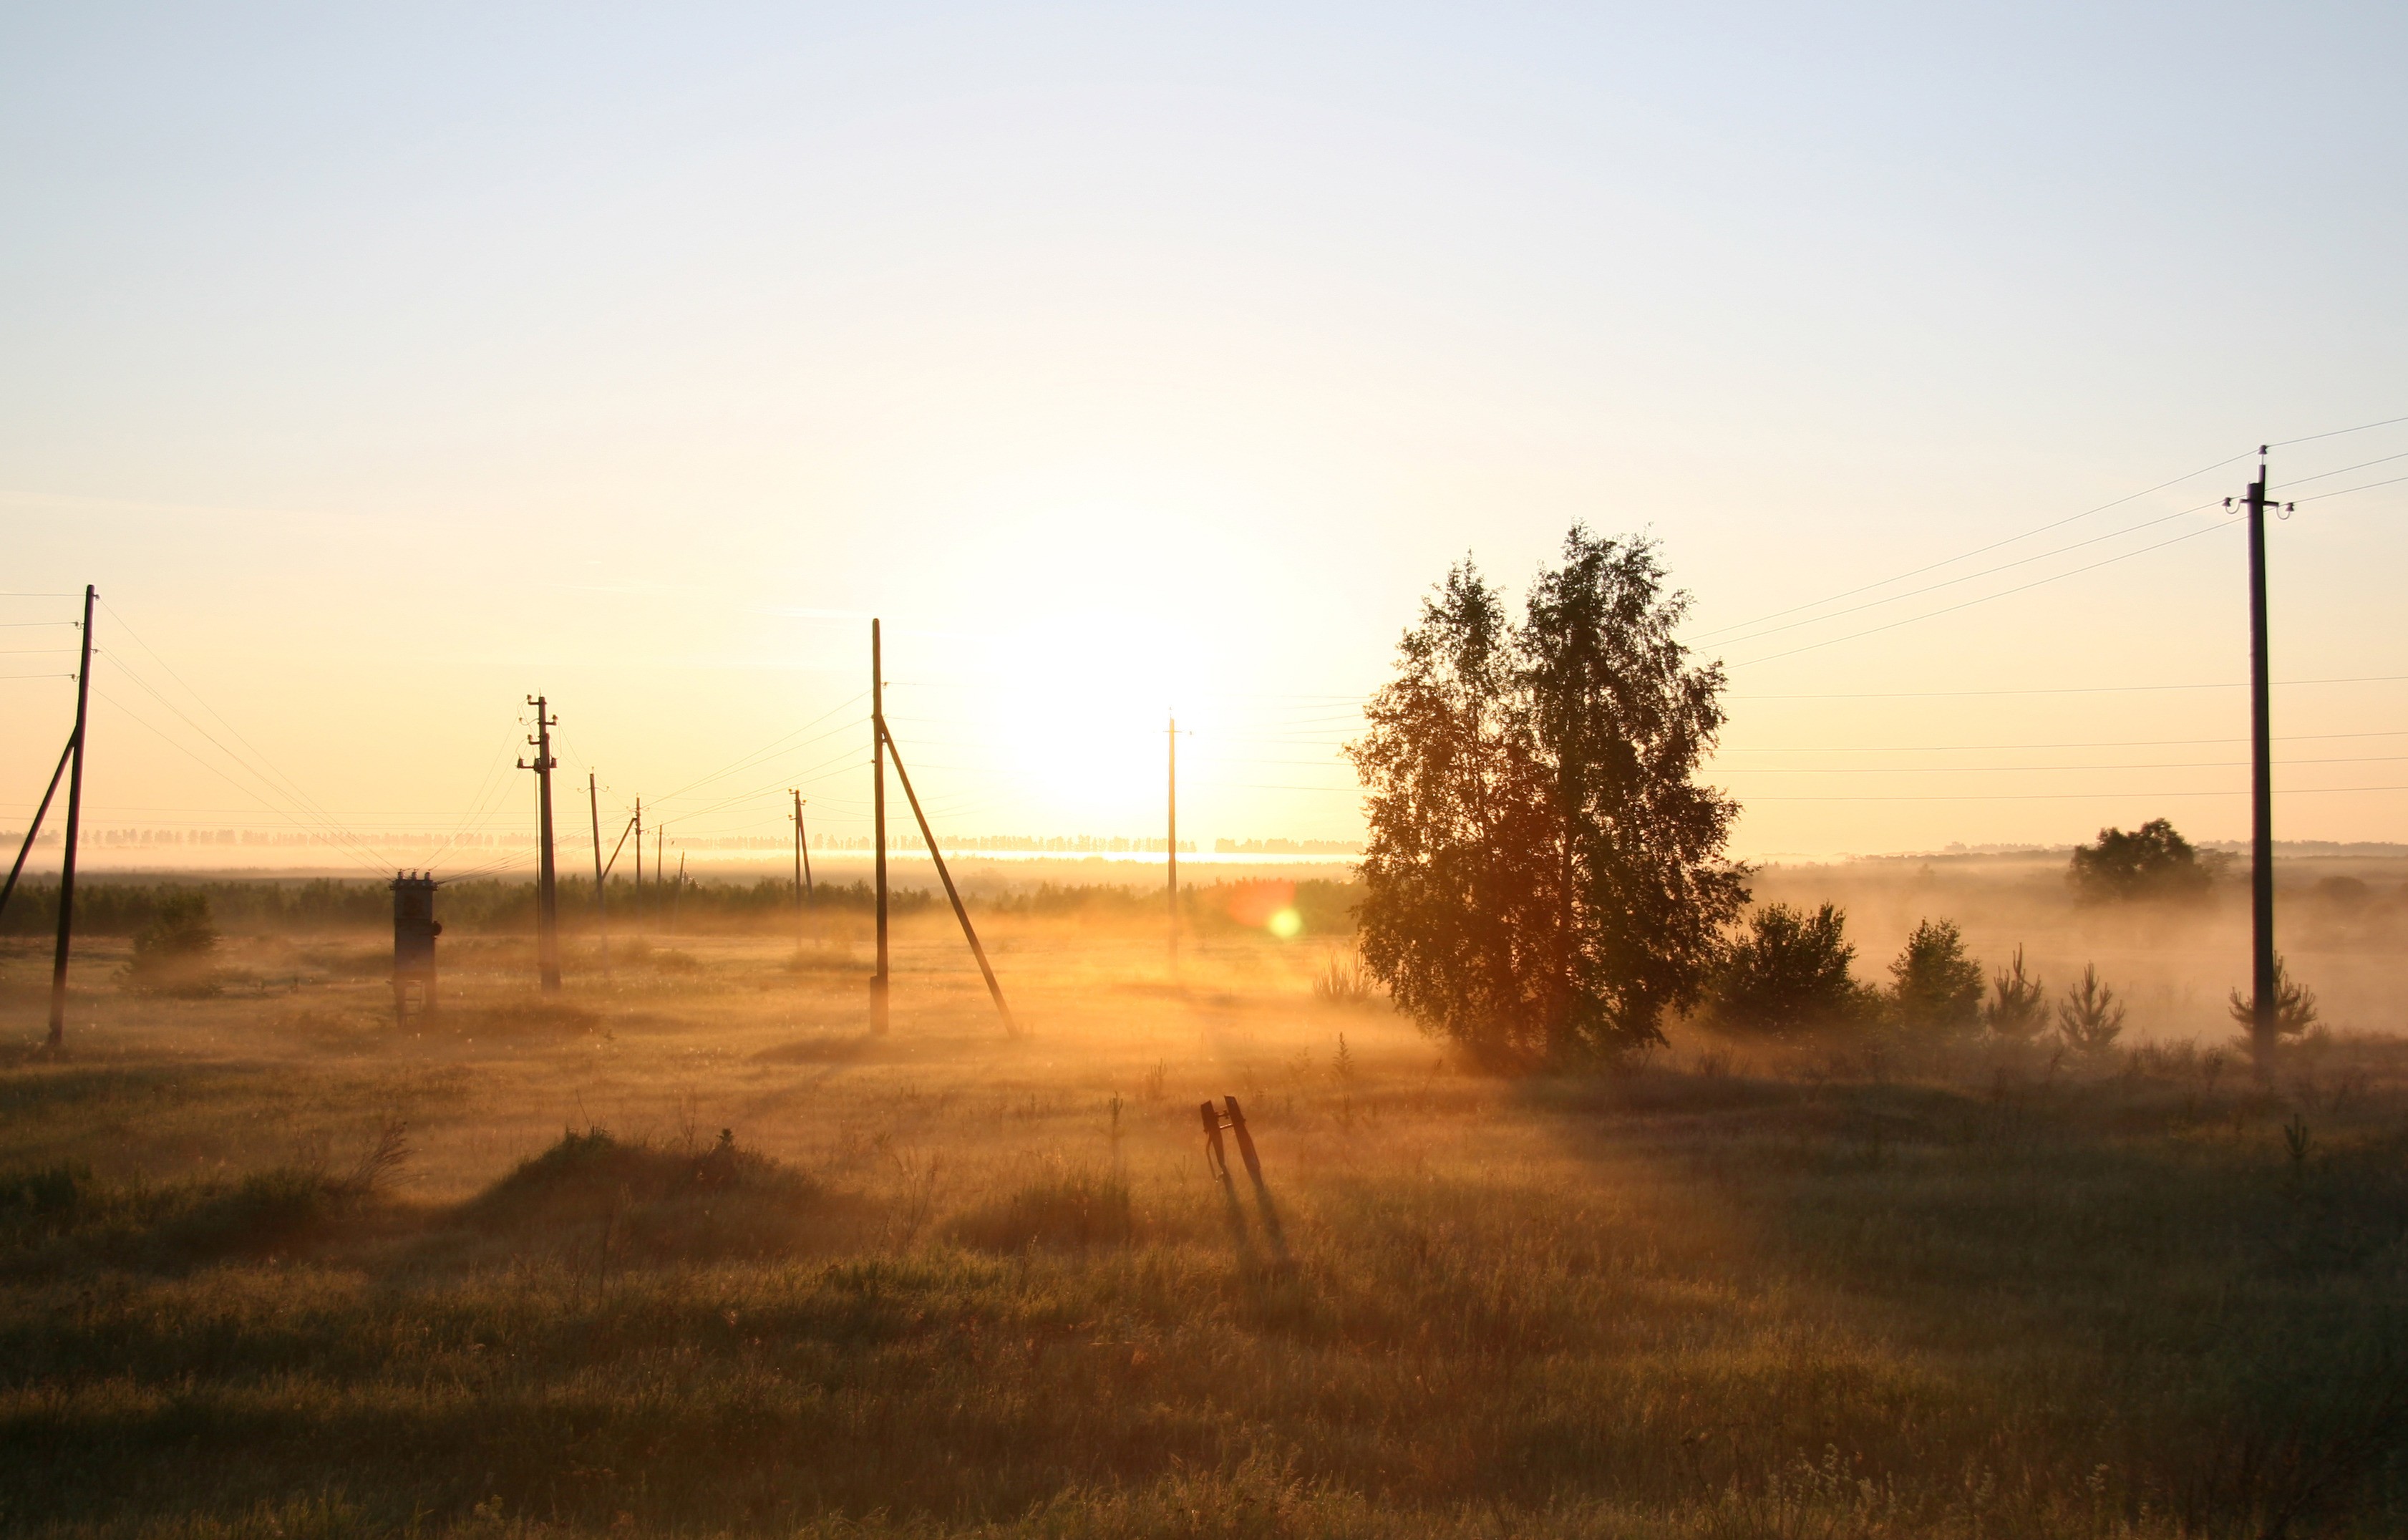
(961, 914)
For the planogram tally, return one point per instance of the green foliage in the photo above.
(2090, 1017)
(1790, 976)
(2150, 862)
(1544, 876)
(2295, 1005)
(2018, 1006)
(1934, 987)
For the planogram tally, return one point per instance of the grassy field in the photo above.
(687, 1252)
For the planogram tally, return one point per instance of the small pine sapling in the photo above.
(2090, 1017)
(2295, 1005)
(2018, 1007)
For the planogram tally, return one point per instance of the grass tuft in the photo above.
(1068, 1208)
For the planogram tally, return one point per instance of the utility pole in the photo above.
(2264, 1026)
(547, 897)
(601, 906)
(640, 862)
(878, 981)
(75, 826)
(1171, 891)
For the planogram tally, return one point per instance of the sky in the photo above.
(382, 366)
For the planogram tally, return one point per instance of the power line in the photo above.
(2067, 689)
(2285, 443)
(1968, 555)
(1968, 604)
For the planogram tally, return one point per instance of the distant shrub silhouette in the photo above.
(2295, 1005)
(1934, 987)
(2018, 1007)
(1789, 976)
(175, 951)
(2153, 861)
(2090, 1017)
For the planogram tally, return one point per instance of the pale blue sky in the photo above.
(385, 366)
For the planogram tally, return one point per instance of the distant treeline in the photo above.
(110, 907)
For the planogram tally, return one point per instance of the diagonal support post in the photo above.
(35, 826)
(928, 835)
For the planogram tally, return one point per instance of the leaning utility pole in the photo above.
(75, 823)
(601, 907)
(1172, 888)
(2264, 1025)
(547, 897)
(878, 820)
(802, 867)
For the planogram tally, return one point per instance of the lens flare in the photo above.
(1286, 924)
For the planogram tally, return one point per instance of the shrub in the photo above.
(2295, 1005)
(1344, 981)
(1935, 987)
(2018, 1007)
(1789, 976)
(2090, 1017)
(175, 949)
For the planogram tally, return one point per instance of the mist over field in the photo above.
(1080, 772)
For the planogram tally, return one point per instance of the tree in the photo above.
(1789, 976)
(1543, 877)
(2151, 862)
(2295, 1005)
(2018, 1007)
(1934, 985)
(2090, 1017)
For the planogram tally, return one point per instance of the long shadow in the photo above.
(2195, 1300)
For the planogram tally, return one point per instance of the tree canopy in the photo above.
(2151, 862)
(1544, 876)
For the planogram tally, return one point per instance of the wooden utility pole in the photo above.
(2264, 1023)
(601, 905)
(640, 862)
(1171, 888)
(878, 981)
(969, 932)
(75, 827)
(547, 896)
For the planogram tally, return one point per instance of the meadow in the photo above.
(684, 1250)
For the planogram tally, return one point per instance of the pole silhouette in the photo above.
(547, 896)
(35, 826)
(878, 981)
(639, 864)
(2264, 1023)
(952, 895)
(75, 827)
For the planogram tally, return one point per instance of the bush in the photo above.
(175, 949)
(2018, 1007)
(2090, 1017)
(1789, 977)
(1935, 987)
(1344, 981)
